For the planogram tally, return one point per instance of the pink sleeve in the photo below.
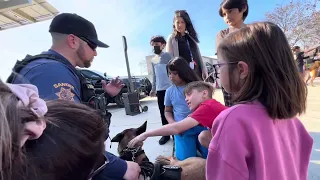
(218, 169)
(228, 149)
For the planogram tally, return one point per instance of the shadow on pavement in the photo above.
(144, 102)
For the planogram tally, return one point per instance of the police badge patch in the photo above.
(65, 94)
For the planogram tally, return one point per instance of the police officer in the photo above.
(74, 43)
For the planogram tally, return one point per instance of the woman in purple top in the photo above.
(259, 138)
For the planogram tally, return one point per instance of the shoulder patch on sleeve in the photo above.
(63, 85)
(65, 91)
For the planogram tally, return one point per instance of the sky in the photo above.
(138, 20)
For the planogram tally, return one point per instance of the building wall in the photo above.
(149, 66)
(211, 60)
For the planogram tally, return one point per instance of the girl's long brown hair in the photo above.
(180, 65)
(189, 26)
(11, 129)
(70, 146)
(273, 77)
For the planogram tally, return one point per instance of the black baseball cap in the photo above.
(70, 23)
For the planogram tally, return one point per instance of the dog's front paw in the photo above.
(163, 160)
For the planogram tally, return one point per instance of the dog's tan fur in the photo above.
(313, 72)
(192, 168)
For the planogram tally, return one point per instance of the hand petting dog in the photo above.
(137, 140)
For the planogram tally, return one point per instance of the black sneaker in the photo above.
(164, 140)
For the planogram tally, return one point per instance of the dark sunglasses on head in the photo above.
(90, 44)
(100, 168)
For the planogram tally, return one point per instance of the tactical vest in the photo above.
(87, 92)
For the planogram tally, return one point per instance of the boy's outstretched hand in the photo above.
(139, 139)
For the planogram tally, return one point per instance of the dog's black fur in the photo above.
(148, 169)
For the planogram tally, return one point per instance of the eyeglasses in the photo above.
(100, 168)
(217, 66)
(90, 44)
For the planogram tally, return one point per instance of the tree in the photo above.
(315, 26)
(298, 19)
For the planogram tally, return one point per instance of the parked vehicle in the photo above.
(211, 74)
(141, 84)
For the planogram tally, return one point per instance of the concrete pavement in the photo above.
(120, 121)
(311, 120)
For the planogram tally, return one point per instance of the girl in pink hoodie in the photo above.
(259, 138)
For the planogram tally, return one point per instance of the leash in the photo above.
(173, 149)
(147, 167)
(132, 151)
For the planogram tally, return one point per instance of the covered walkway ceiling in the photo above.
(15, 13)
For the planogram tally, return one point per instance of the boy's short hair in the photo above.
(239, 4)
(159, 39)
(200, 86)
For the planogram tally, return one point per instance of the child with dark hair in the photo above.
(72, 145)
(160, 78)
(259, 138)
(234, 13)
(22, 119)
(203, 108)
(176, 109)
(183, 42)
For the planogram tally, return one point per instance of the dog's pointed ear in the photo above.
(117, 138)
(141, 129)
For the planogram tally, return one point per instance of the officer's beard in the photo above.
(82, 57)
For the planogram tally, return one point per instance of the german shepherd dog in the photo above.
(190, 169)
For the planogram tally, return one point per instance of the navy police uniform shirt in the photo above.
(55, 80)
